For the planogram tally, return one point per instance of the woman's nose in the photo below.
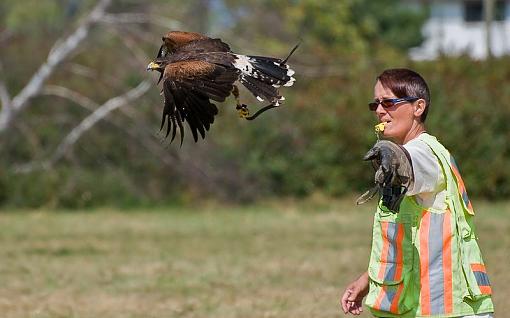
(380, 110)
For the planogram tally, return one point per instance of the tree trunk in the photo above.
(489, 18)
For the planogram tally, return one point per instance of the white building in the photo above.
(458, 26)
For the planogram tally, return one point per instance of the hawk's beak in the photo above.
(152, 66)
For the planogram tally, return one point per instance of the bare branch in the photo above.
(87, 123)
(82, 70)
(4, 94)
(96, 116)
(61, 50)
(130, 43)
(67, 93)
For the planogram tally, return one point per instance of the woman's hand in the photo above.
(393, 175)
(352, 299)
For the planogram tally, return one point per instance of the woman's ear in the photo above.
(419, 107)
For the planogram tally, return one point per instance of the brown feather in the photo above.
(190, 42)
(175, 39)
(188, 69)
(204, 46)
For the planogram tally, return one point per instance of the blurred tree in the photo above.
(312, 145)
(395, 24)
(77, 144)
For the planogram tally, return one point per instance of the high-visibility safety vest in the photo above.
(425, 262)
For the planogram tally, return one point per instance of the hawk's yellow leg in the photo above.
(241, 108)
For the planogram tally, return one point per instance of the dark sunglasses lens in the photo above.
(373, 106)
(387, 103)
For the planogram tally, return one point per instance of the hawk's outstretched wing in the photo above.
(187, 88)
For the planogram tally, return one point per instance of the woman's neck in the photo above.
(414, 132)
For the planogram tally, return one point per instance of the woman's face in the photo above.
(399, 119)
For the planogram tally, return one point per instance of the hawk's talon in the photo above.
(243, 110)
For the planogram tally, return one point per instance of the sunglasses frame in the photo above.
(373, 105)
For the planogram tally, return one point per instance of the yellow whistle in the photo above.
(379, 128)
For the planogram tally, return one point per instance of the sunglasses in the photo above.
(390, 102)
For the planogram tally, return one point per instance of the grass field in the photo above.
(283, 260)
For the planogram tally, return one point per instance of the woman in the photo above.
(425, 261)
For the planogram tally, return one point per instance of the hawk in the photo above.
(196, 69)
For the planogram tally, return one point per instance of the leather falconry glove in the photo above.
(393, 174)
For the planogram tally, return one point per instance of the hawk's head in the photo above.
(157, 65)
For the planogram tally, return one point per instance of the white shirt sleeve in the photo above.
(428, 177)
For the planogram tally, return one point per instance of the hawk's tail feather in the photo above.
(261, 90)
(291, 52)
(273, 69)
(267, 70)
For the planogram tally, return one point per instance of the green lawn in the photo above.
(284, 260)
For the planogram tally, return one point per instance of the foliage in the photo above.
(313, 143)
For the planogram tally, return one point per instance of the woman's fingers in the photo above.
(344, 301)
(356, 308)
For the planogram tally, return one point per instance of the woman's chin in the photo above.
(387, 133)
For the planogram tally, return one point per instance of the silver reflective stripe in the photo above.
(388, 299)
(482, 278)
(436, 275)
(392, 252)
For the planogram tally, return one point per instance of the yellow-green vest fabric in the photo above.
(425, 262)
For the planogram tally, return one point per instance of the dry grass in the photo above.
(286, 260)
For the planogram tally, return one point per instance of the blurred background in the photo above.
(79, 131)
(312, 144)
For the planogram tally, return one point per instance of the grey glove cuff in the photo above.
(411, 173)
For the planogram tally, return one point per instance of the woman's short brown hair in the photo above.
(403, 83)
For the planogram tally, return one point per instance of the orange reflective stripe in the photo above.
(460, 182)
(447, 263)
(470, 207)
(394, 304)
(384, 251)
(399, 252)
(486, 290)
(378, 301)
(461, 186)
(388, 298)
(478, 268)
(424, 264)
(482, 279)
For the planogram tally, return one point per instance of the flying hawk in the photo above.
(196, 69)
